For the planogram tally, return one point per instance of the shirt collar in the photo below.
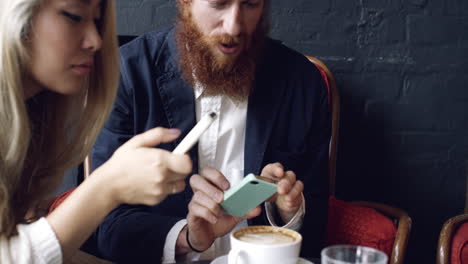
(198, 89)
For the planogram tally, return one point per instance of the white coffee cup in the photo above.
(264, 244)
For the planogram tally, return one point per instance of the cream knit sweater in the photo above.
(36, 243)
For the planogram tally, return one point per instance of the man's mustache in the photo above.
(225, 39)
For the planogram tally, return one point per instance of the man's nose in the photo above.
(233, 21)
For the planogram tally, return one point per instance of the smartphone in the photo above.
(247, 195)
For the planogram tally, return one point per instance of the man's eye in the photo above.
(218, 4)
(252, 3)
(72, 17)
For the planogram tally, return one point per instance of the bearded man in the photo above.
(272, 119)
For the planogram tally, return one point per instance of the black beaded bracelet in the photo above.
(190, 245)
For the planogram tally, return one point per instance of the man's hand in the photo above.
(289, 197)
(206, 220)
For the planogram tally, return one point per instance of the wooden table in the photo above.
(81, 257)
(314, 260)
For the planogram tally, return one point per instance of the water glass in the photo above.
(347, 254)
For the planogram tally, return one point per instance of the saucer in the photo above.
(224, 260)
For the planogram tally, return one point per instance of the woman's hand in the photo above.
(137, 173)
(142, 174)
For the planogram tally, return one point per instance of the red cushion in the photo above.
(59, 199)
(459, 250)
(357, 225)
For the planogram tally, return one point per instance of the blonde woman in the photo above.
(58, 79)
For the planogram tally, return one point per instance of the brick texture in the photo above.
(402, 71)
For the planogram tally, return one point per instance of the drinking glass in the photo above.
(347, 254)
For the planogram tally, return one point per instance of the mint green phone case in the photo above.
(246, 195)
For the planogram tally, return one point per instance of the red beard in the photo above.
(219, 74)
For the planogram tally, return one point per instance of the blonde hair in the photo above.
(40, 141)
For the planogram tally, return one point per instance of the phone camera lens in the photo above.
(254, 182)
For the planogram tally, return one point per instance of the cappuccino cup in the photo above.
(264, 244)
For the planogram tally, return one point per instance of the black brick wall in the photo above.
(402, 71)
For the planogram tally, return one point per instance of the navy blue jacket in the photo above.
(288, 121)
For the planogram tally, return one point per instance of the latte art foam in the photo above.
(266, 238)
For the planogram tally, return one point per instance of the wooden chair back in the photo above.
(445, 237)
(403, 223)
(399, 216)
(87, 169)
(335, 115)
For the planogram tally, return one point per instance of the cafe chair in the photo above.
(87, 169)
(364, 223)
(334, 100)
(453, 241)
(370, 224)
